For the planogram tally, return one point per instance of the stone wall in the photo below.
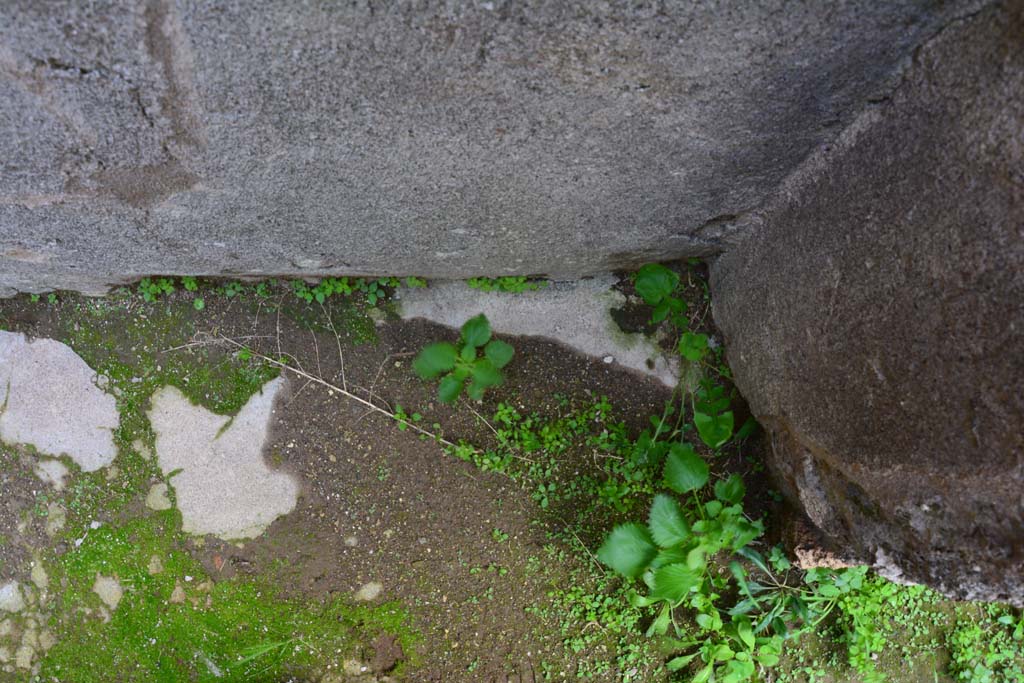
(437, 139)
(875, 321)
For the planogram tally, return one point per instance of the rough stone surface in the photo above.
(222, 486)
(109, 590)
(49, 399)
(876, 322)
(157, 498)
(11, 599)
(576, 314)
(438, 139)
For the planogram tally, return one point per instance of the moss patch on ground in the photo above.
(174, 623)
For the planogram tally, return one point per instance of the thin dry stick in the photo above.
(358, 399)
(337, 338)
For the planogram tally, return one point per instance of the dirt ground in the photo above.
(467, 553)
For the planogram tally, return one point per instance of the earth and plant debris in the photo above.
(469, 507)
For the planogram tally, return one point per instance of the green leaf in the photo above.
(693, 346)
(499, 353)
(449, 388)
(198, 304)
(660, 625)
(704, 674)
(745, 632)
(678, 663)
(654, 282)
(435, 360)
(661, 312)
(685, 471)
(476, 390)
(674, 582)
(714, 430)
(730, 490)
(476, 331)
(467, 354)
(628, 550)
(748, 429)
(667, 523)
(485, 374)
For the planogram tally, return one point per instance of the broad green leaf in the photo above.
(674, 582)
(660, 625)
(745, 632)
(435, 360)
(713, 508)
(685, 471)
(476, 331)
(767, 659)
(485, 374)
(704, 674)
(678, 663)
(449, 388)
(669, 556)
(748, 429)
(693, 346)
(695, 559)
(661, 312)
(475, 390)
(668, 525)
(723, 653)
(628, 550)
(754, 557)
(654, 282)
(714, 430)
(499, 353)
(730, 490)
(468, 353)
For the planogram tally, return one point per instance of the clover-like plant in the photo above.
(461, 365)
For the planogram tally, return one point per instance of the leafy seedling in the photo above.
(460, 366)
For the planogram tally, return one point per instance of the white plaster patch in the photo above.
(52, 472)
(157, 498)
(577, 314)
(109, 589)
(11, 599)
(222, 485)
(49, 399)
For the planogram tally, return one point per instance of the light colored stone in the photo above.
(157, 498)
(577, 314)
(222, 485)
(155, 566)
(368, 592)
(39, 575)
(56, 517)
(51, 401)
(6, 628)
(430, 138)
(5, 655)
(52, 472)
(11, 597)
(47, 640)
(142, 449)
(109, 589)
(177, 595)
(24, 656)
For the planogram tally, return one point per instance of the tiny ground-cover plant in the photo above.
(510, 284)
(460, 366)
(151, 289)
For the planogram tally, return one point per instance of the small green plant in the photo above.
(198, 303)
(510, 284)
(152, 289)
(657, 286)
(190, 284)
(461, 366)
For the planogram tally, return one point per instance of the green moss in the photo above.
(344, 317)
(240, 629)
